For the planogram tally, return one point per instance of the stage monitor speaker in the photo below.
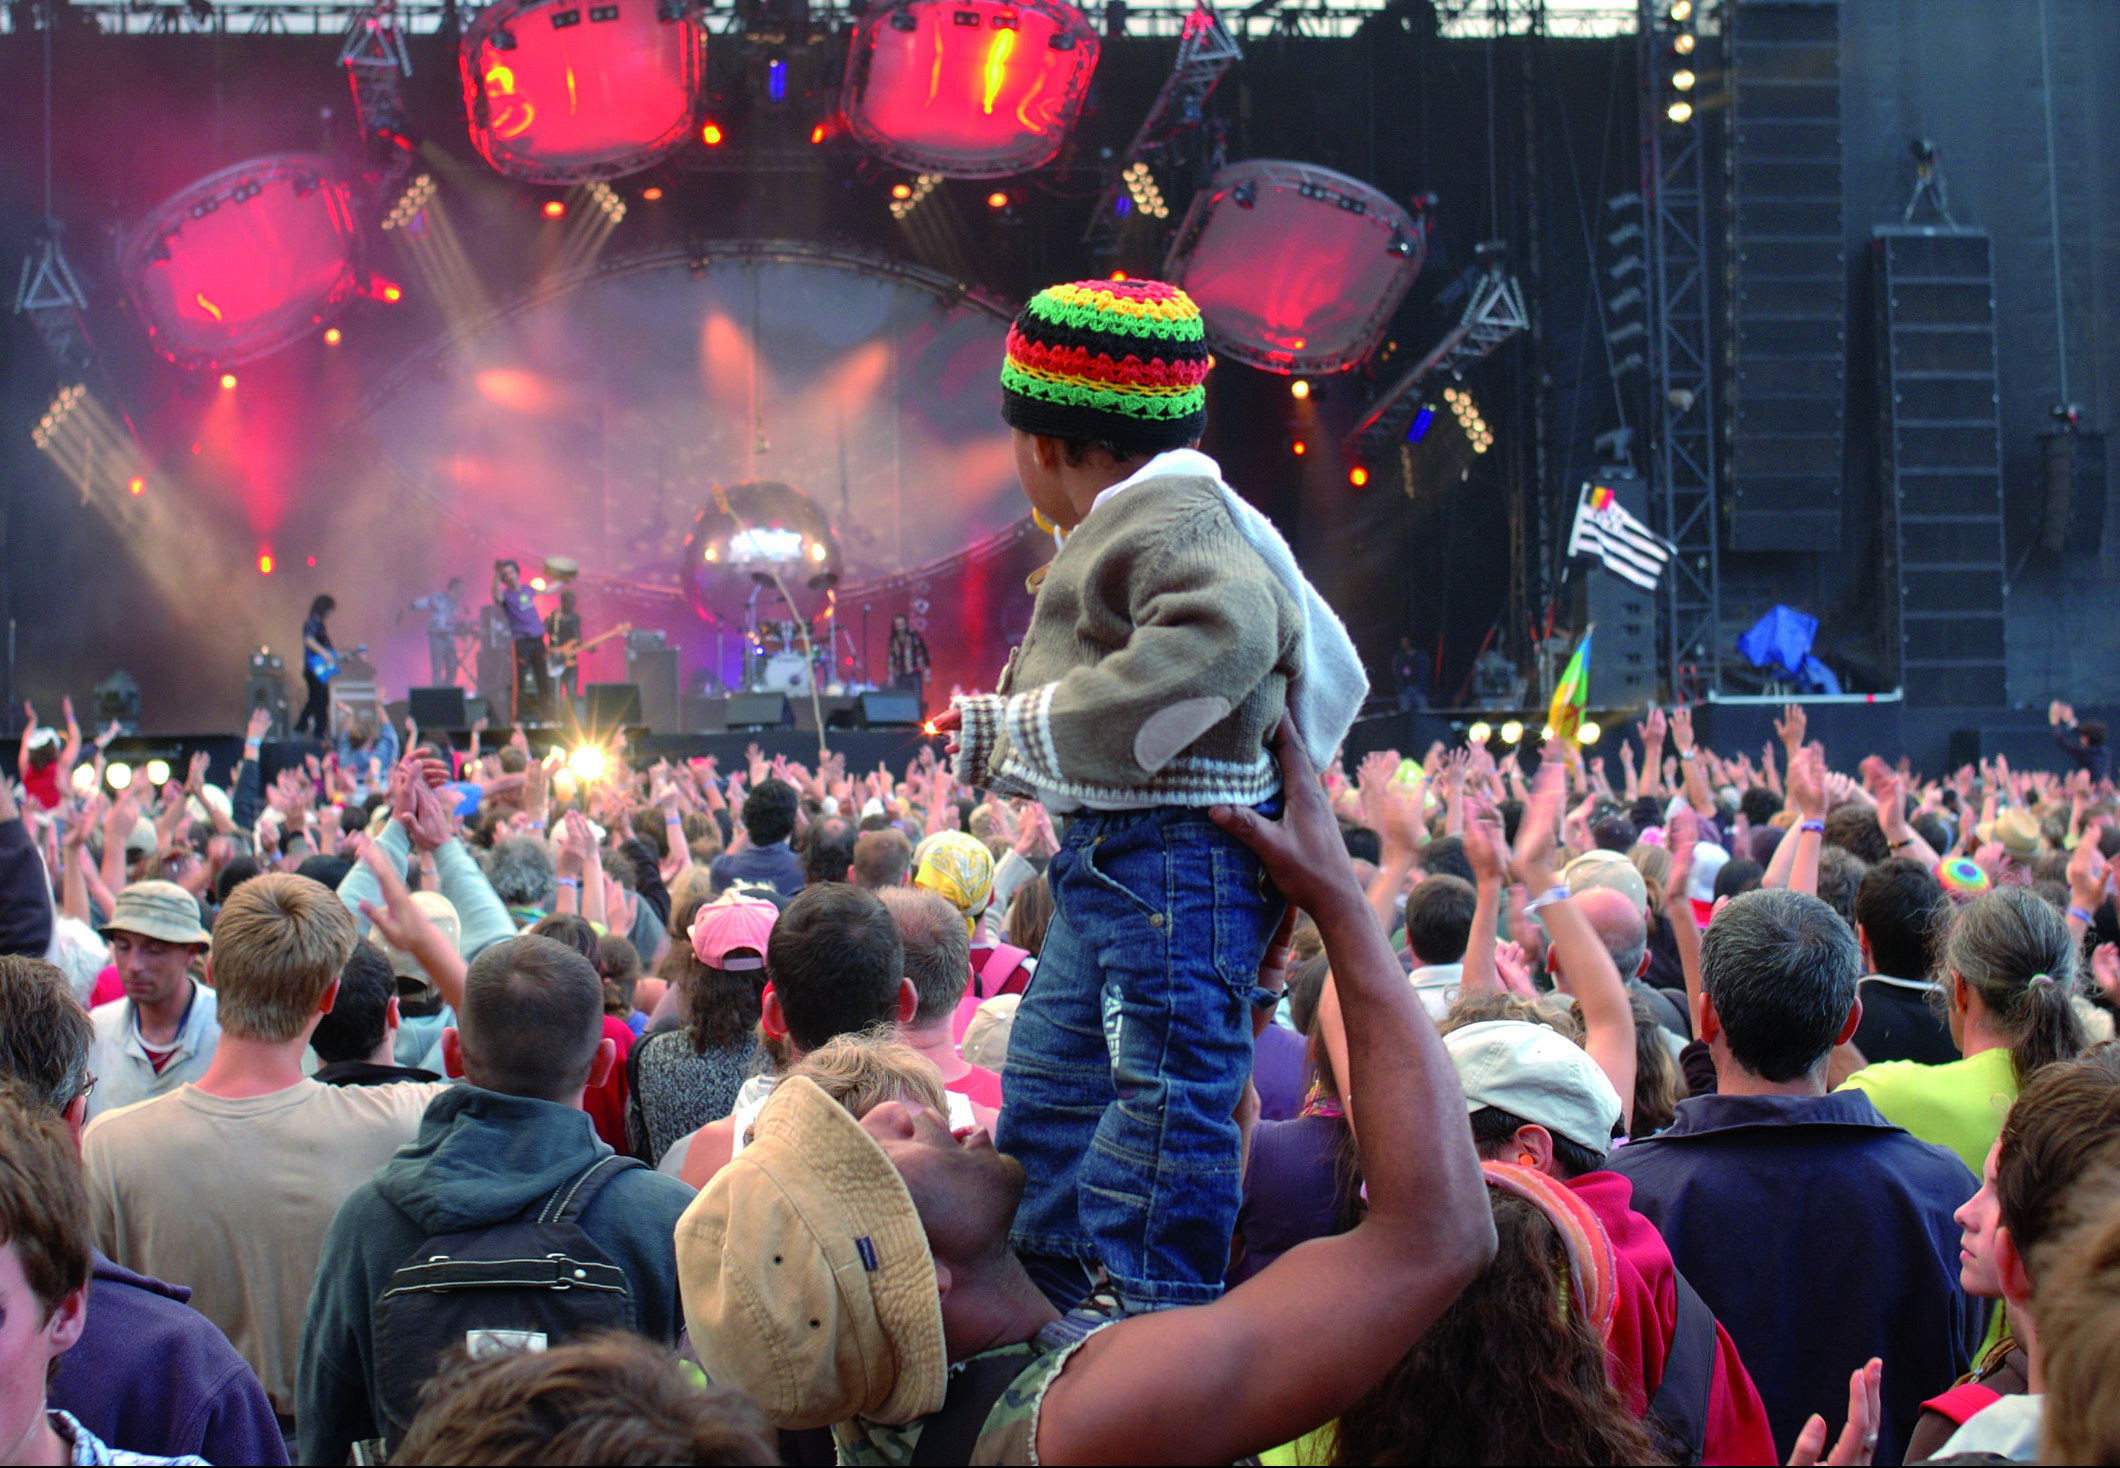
(757, 711)
(613, 705)
(440, 708)
(705, 715)
(655, 670)
(265, 691)
(890, 709)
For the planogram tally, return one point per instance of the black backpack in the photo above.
(533, 1281)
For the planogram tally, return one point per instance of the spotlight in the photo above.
(1680, 112)
(1358, 476)
(264, 563)
(1147, 196)
(415, 198)
(118, 773)
(588, 763)
(555, 209)
(1299, 448)
(537, 583)
(391, 292)
(1299, 389)
(83, 779)
(1513, 732)
(929, 729)
(1589, 732)
(817, 134)
(1479, 731)
(711, 135)
(136, 485)
(1423, 420)
(997, 200)
(228, 382)
(157, 772)
(901, 191)
(333, 336)
(1684, 43)
(651, 194)
(922, 185)
(1683, 80)
(1118, 275)
(1681, 11)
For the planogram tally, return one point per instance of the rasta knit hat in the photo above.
(1122, 362)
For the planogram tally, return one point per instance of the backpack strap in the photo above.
(1003, 961)
(1962, 1401)
(976, 1387)
(1680, 1406)
(572, 1198)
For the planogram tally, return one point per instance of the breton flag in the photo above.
(1627, 547)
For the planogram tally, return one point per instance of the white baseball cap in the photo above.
(1606, 869)
(1539, 1074)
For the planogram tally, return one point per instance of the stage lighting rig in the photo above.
(1206, 50)
(1494, 312)
(418, 194)
(967, 88)
(50, 295)
(378, 64)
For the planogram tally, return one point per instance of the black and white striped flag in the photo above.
(1627, 547)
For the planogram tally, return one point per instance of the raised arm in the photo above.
(1608, 1014)
(1219, 1382)
(1484, 849)
(1795, 863)
(1698, 795)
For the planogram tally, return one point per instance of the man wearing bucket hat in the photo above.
(162, 1034)
(859, 1274)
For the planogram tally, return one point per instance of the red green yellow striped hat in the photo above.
(1120, 362)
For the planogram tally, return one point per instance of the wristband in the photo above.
(1546, 899)
(2083, 915)
(1687, 754)
(1903, 845)
(574, 882)
(1818, 826)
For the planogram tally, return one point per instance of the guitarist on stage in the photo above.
(564, 628)
(319, 664)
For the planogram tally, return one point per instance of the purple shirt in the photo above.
(518, 604)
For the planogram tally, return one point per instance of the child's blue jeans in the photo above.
(1130, 1051)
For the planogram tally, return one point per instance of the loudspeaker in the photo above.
(757, 711)
(889, 709)
(265, 691)
(706, 715)
(613, 705)
(1623, 651)
(655, 670)
(2073, 519)
(440, 708)
(496, 677)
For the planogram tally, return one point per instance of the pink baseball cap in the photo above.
(731, 923)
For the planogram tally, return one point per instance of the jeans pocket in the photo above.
(1243, 915)
(1106, 880)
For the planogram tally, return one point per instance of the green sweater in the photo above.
(1157, 663)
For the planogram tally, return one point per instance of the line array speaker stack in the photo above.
(1623, 671)
(1788, 264)
(1940, 437)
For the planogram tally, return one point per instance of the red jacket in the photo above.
(1738, 1431)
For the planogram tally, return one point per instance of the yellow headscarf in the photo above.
(958, 867)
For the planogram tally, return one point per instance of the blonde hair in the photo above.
(278, 944)
(1654, 863)
(863, 1071)
(693, 888)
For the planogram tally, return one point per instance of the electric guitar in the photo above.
(564, 655)
(323, 668)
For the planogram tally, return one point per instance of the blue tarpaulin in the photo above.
(1781, 641)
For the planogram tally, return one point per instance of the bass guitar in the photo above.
(564, 655)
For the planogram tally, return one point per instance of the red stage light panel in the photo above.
(245, 261)
(968, 88)
(1295, 268)
(570, 91)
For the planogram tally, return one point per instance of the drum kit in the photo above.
(778, 658)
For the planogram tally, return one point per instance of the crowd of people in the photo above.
(1139, 1085)
(1783, 1103)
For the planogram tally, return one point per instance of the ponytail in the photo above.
(2015, 951)
(2049, 1030)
